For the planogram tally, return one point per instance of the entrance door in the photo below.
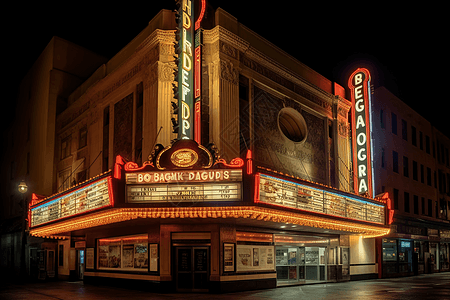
(192, 265)
(80, 264)
(315, 263)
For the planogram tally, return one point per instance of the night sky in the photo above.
(405, 48)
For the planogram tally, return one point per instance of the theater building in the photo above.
(217, 168)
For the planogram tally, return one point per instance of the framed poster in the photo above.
(153, 257)
(254, 258)
(228, 257)
(89, 258)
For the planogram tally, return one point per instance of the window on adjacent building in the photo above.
(382, 121)
(429, 176)
(415, 177)
(64, 179)
(82, 141)
(404, 130)
(423, 205)
(414, 136)
(405, 167)
(394, 123)
(430, 207)
(395, 199)
(406, 201)
(422, 173)
(421, 140)
(383, 158)
(427, 144)
(65, 146)
(416, 204)
(395, 161)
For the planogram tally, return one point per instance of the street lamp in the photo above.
(23, 188)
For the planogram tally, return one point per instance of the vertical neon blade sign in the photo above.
(197, 75)
(359, 84)
(185, 72)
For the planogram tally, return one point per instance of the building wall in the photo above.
(387, 142)
(362, 256)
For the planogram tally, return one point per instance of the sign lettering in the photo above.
(185, 74)
(359, 84)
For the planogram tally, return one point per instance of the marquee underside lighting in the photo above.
(236, 212)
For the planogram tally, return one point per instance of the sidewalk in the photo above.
(433, 286)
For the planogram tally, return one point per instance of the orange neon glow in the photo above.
(202, 14)
(257, 181)
(132, 166)
(254, 237)
(230, 212)
(110, 192)
(197, 74)
(198, 122)
(249, 162)
(234, 163)
(118, 167)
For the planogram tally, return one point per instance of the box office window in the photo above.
(389, 250)
(123, 253)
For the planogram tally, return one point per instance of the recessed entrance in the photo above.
(300, 264)
(191, 269)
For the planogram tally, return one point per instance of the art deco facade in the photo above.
(264, 199)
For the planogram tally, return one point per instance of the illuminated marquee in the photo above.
(359, 84)
(280, 192)
(95, 195)
(213, 175)
(197, 185)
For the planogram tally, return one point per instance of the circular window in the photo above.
(292, 125)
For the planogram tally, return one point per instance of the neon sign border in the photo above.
(368, 117)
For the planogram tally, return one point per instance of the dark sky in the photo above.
(403, 47)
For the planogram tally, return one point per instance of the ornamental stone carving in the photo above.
(228, 72)
(166, 71)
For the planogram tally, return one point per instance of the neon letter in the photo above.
(361, 139)
(361, 156)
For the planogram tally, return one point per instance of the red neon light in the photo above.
(29, 215)
(391, 216)
(118, 167)
(234, 163)
(197, 72)
(249, 162)
(110, 192)
(132, 166)
(367, 131)
(257, 179)
(198, 123)
(202, 14)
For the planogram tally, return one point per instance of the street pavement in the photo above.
(430, 286)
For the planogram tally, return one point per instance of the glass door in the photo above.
(315, 263)
(312, 263)
(80, 264)
(290, 264)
